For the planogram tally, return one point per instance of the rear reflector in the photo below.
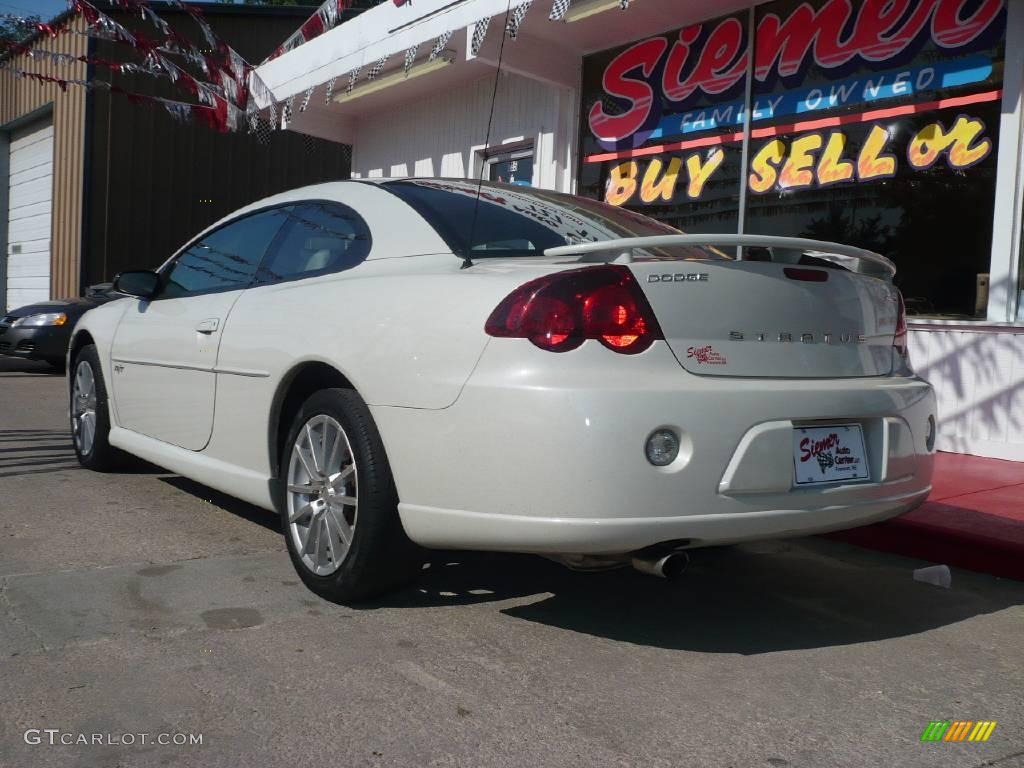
(807, 275)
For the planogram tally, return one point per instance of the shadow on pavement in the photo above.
(35, 452)
(15, 367)
(35, 435)
(744, 600)
(751, 599)
(237, 507)
(39, 451)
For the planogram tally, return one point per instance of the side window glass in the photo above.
(317, 238)
(224, 259)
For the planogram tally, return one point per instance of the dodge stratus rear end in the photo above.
(652, 393)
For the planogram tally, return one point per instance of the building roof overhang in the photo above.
(543, 49)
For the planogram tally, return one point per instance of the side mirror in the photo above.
(142, 283)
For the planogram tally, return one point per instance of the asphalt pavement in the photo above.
(141, 608)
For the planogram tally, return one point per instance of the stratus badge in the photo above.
(805, 338)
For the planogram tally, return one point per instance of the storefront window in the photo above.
(873, 124)
(656, 138)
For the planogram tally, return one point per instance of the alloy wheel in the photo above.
(322, 495)
(83, 407)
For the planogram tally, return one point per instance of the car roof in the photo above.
(330, 190)
(327, 188)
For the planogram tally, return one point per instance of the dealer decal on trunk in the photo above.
(706, 355)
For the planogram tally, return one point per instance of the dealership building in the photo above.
(894, 125)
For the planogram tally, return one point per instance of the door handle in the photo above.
(208, 326)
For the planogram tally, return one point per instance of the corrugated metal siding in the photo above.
(441, 134)
(20, 97)
(977, 377)
(154, 183)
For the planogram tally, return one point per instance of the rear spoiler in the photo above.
(816, 248)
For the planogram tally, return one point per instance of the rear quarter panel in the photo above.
(405, 335)
(405, 327)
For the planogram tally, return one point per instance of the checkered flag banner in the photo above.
(258, 90)
(262, 128)
(516, 19)
(272, 114)
(330, 90)
(286, 111)
(623, 4)
(479, 33)
(352, 77)
(306, 98)
(559, 9)
(378, 65)
(410, 57)
(439, 45)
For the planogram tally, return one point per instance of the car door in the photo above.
(272, 319)
(164, 353)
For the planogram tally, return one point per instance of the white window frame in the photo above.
(1005, 304)
(501, 154)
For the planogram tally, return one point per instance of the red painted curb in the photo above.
(985, 552)
(974, 519)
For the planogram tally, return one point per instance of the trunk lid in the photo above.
(765, 319)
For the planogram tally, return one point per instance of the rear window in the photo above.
(511, 220)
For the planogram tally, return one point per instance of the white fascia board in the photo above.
(384, 30)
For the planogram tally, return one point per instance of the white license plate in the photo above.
(829, 454)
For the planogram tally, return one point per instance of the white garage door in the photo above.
(30, 207)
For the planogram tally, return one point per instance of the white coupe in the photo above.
(396, 364)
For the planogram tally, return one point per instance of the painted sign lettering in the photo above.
(830, 36)
(815, 159)
(870, 89)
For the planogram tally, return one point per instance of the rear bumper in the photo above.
(545, 453)
(458, 529)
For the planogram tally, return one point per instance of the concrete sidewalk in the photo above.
(973, 519)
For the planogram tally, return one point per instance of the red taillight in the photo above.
(899, 341)
(559, 312)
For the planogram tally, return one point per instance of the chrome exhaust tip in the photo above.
(664, 565)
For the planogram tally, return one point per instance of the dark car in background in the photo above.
(42, 331)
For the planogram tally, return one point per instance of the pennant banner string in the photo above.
(180, 107)
(174, 42)
(221, 99)
(326, 18)
(154, 65)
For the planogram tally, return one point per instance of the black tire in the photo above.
(381, 557)
(101, 455)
